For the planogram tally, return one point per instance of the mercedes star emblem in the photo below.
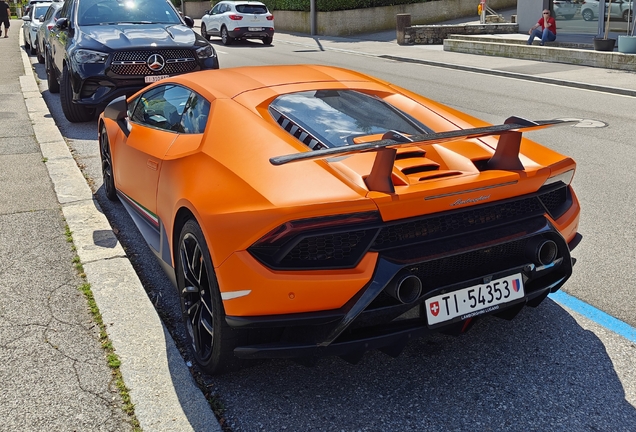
(155, 62)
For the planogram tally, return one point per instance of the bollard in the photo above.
(403, 21)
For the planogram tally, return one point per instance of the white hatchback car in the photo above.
(238, 20)
(31, 24)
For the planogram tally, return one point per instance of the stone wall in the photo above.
(369, 20)
(435, 34)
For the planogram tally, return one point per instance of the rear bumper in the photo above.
(246, 33)
(371, 320)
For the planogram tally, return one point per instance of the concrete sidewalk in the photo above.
(54, 371)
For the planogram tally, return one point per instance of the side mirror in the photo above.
(117, 110)
(61, 23)
(26, 18)
(189, 21)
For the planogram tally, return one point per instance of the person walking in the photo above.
(548, 29)
(5, 15)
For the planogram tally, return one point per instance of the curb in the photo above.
(160, 385)
(541, 79)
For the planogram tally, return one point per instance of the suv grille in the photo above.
(177, 61)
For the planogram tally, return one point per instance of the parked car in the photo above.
(31, 23)
(565, 9)
(102, 49)
(620, 9)
(42, 36)
(232, 20)
(306, 211)
(29, 5)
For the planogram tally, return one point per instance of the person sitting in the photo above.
(548, 29)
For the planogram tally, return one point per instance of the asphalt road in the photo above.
(549, 369)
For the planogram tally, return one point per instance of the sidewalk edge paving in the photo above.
(160, 385)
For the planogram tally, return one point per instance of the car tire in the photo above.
(267, 40)
(33, 48)
(225, 37)
(73, 112)
(626, 16)
(569, 17)
(587, 15)
(39, 55)
(51, 79)
(27, 47)
(211, 339)
(204, 32)
(107, 165)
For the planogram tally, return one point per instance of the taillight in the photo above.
(235, 17)
(270, 18)
(290, 229)
(49, 26)
(329, 242)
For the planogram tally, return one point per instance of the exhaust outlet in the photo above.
(405, 287)
(542, 251)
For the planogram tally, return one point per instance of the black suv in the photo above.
(103, 49)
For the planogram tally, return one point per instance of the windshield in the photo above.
(96, 12)
(342, 117)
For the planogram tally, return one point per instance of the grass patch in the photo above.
(111, 358)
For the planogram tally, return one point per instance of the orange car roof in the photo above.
(231, 82)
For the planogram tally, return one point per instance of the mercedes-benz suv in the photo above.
(103, 49)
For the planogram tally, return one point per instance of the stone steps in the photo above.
(514, 46)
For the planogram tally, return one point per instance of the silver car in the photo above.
(620, 10)
(31, 23)
(565, 9)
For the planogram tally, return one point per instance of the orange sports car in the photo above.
(304, 211)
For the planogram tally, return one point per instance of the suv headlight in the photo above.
(88, 56)
(205, 52)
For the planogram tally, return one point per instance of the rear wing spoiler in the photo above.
(506, 155)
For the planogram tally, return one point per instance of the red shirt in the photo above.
(551, 27)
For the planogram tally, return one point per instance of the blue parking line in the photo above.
(598, 316)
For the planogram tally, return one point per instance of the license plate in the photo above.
(474, 300)
(255, 28)
(154, 78)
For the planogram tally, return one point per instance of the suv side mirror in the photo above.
(61, 23)
(189, 21)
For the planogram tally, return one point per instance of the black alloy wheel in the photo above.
(51, 80)
(225, 37)
(204, 32)
(73, 112)
(211, 340)
(107, 165)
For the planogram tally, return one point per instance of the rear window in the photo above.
(337, 118)
(251, 9)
